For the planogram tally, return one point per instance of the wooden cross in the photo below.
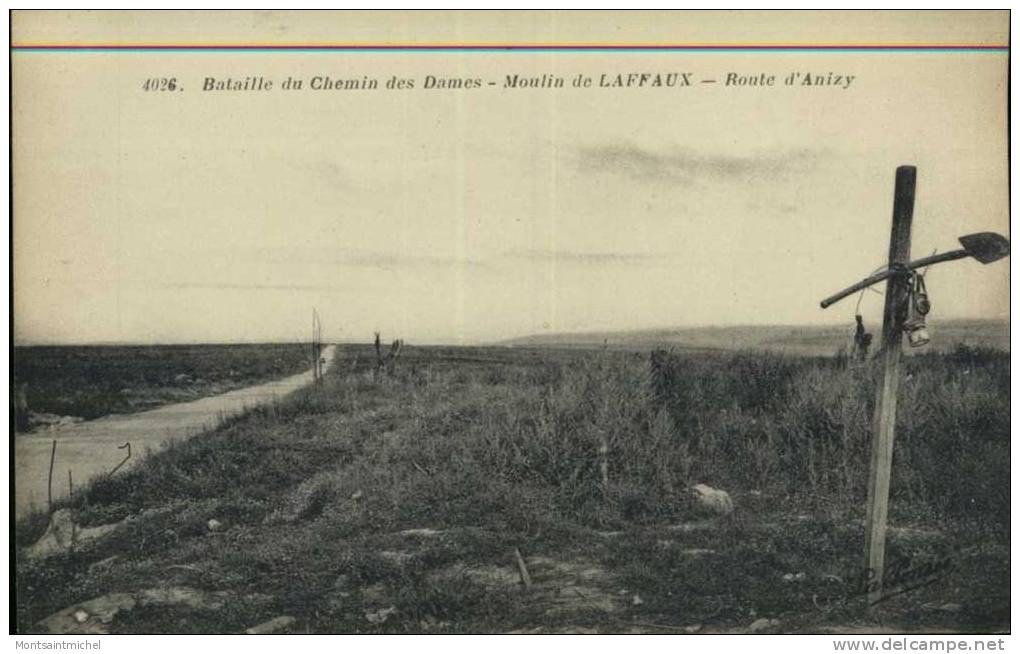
(985, 247)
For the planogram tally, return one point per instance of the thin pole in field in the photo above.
(316, 345)
(49, 481)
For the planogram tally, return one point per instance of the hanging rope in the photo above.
(860, 296)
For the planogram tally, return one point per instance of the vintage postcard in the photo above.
(528, 322)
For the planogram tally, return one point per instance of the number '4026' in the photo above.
(160, 84)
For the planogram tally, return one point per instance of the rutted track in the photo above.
(90, 449)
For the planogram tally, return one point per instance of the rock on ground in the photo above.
(62, 534)
(762, 625)
(96, 615)
(181, 596)
(380, 616)
(89, 618)
(712, 500)
(276, 625)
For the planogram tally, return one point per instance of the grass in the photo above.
(496, 449)
(93, 381)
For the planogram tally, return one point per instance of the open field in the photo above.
(90, 381)
(804, 340)
(395, 503)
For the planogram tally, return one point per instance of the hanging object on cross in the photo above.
(918, 307)
(862, 340)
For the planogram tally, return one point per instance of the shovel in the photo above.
(986, 247)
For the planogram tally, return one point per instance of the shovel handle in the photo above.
(885, 274)
(938, 258)
(850, 290)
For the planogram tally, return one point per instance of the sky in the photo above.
(466, 216)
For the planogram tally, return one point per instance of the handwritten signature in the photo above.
(902, 575)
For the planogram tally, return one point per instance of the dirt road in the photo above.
(89, 449)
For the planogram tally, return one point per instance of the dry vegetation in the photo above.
(394, 503)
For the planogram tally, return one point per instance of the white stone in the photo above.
(380, 616)
(63, 534)
(277, 624)
(763, 624)
(712, 500)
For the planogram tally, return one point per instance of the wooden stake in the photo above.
(896, 293)
(604, 465)
(315, 345)
(49, 481)
(522, 569)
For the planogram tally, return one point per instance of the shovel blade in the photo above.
(986, 247)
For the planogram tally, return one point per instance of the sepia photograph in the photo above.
(450, 322)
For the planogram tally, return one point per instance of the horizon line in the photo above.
(480, 342)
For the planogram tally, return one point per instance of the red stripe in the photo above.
(505, 46)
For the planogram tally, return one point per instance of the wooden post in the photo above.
(318, 339)
(49, 480)
(522, 569)
(378, 355)
(604, 465)
(315, 346)
(896, 294)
